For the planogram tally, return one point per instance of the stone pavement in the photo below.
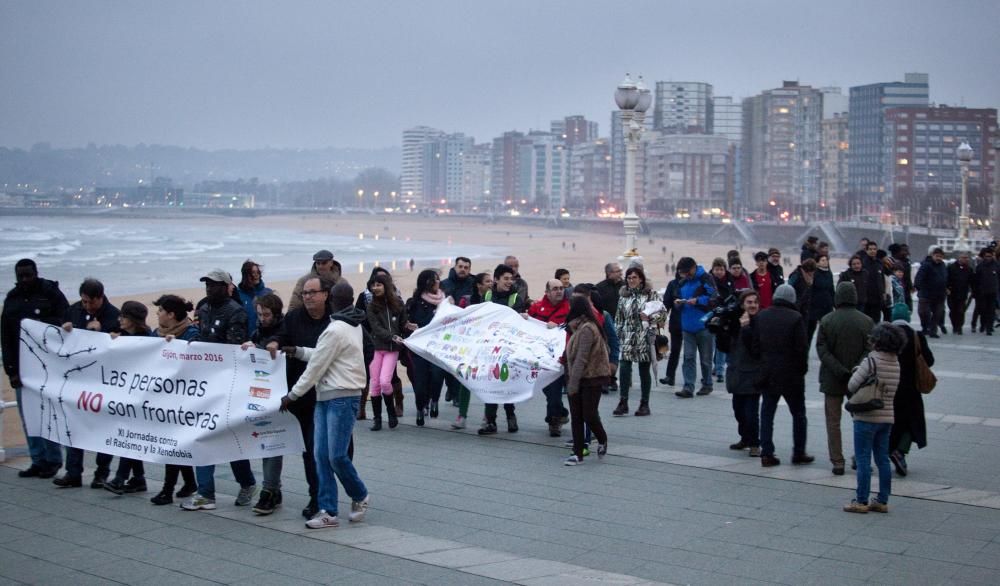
(670, 503)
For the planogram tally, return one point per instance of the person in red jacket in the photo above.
(553, 309)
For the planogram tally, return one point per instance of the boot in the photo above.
(512, 423)
(397, 396)
(377, 413)
(390, 410)
(643, 409)
(361, 410)
(621, 409)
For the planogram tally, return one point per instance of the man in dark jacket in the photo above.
(900, 254)
(960, 275)
(95, 313)
(809, 249)
(742, 372)
(520, 285)
(875, 281)
(931, 285)
(841, 345)
(460, 284)
(608, 288)
(774, 266)
(779, 340)
(671, 294)
(986, 286)
(221, 320)
(38, 299)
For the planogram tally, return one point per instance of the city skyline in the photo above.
(213, 77)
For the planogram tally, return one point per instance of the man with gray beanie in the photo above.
(779, 341)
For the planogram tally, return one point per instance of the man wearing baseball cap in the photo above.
(323, 267)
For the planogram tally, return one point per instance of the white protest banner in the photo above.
(144, 398)
(492, 350)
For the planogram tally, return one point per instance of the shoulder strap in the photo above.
(512, 300)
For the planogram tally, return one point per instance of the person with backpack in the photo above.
(872, 427)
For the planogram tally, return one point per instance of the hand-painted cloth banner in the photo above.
(492, 350)
(141, 397)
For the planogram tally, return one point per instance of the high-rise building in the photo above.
(590, 174)
(688, 173)
(683, 107)
(870, 157)
(444, 168)
(544, 167)
(574, 130)
(476, 179)
(782, 154)
(728, 118)
(925, 169)
(836, 141)
(505, 168)
(412, 178)
(834, 102)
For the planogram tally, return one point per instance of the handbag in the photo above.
(869, 396)
(923, 379)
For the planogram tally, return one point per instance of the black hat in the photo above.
(322, 255)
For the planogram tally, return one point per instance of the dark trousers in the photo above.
(746, 409)
(931, 314)
(583, 410)
(625, 379)
(428, 381)
(811, 330)
(74, 463)
(797, 407)
(128, 465)
(676, 342)
(492, 408)
(874, 311)
(172, 472)
(956, 311)
(987, 302)
(554, 409)
(304, 410)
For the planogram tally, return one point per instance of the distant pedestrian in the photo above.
(931, 284)
(960, 277)
(987, 282)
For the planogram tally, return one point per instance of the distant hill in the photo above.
(115, 165)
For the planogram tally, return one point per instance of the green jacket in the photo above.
(842, 341)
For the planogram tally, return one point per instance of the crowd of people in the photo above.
(751, 330)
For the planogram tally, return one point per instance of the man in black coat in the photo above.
(779, 341)
(931, 285)
(609, 287)
(960, 275)
(38, 299)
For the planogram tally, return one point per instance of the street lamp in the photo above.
(995, 216)
(633, 99)
(964, 152)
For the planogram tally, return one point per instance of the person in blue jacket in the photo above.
(695, 296)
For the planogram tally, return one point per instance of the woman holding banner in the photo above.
(420, 311)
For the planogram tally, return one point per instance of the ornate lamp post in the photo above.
(964, 152)
(995, 217)
(633, 99)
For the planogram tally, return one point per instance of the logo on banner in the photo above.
(272, 447)
(260, 392)
(267, 432)
(262, 423)
(255, 407)
(257, 418)
(261, 375)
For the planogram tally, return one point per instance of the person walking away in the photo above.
(552, 310)
(336, 369)
(871, 428)
(587, 373)
(172, 321)
(931, 284)
(696, 293)
(802, 279)
(909, 425)
(386, 318)
(95, 313)
(39, 299)
(874, 281)
(841, 344)
(631, 325)
(960, 276)
(742, 372)
(779, 341)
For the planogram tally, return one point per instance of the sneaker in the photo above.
(323, 520)
(754, 451)
(98, 481)
(186, 491)
(568, 443)
(163, 498)
(198, 502)
(621, 409)
(67, 481)
(803, 459)
(268, 502)
(310, 509)
(135, 485)
(684, 394)
(573, 461)
(855, 507)
(602, 450)
(358, 510)
(488, 428)
(246, 495)
(704, 390)
(876, 507)
(586, 450)
(769, 461)
(512, 424)
(115, 486)
(740, 445)
(459, 423)
(899, 461)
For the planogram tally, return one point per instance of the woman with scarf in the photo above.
(173, 321)
(420, 309)
(632, 324)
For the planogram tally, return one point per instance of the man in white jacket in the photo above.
(336, 367)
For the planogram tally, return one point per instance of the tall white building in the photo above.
(544, 171)
(412, 177)
(476, 179)
(444, 168)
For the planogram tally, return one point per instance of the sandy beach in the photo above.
(540, 251)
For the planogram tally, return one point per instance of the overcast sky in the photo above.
(335, 73)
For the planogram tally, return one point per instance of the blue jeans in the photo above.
(869, 439)
(702, 343)
(797, 407)
(720, 363)
(43, 452)
(206, 477)
(334, 424)
(554, 409)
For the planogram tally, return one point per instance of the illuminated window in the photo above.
(903, 161)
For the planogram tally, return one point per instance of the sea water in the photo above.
(149, 255)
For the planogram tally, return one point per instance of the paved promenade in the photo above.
(669, 504)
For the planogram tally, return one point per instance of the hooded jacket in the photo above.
(457, 288)
(842, 341)
(336, 366)
(699, 287)
(384, 323)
